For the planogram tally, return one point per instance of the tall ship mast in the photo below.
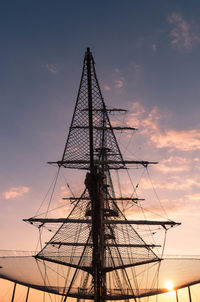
(101, 255)
(106, 237)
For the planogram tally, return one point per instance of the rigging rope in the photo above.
(51, 196)
(67, 184)
(158, 272)
(44, 278)
(156, 193)
(52, 184)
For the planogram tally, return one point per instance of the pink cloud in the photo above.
(173, 184)
(151, 122)
(15, 192)
(146, 121)
(106, 88)
(177, 152)
(154, 125)
(182, 36)
(135, 115)
(193, 197)
(52, 68)
(174, 164)
(119, 83)
(154, 211)
(185, 140)
(118, 79)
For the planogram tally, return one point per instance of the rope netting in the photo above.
(76, 153)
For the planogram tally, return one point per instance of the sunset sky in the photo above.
(147, 56)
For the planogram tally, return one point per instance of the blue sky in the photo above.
(147, 57)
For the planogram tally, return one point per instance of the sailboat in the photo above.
(96, 253)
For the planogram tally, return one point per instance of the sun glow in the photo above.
(169, 285)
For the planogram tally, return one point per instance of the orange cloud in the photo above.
(15, 192)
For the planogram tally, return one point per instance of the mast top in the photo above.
(91, 120)
(88, 52)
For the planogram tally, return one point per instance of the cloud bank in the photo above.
(151, 124)
(176, 177)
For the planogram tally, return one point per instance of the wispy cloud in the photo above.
(119, 83)
(185, 140)
(118, 79)
(15, 192)
(136, 114)
(154, 211)
(106, 87)
(154, 47)
(174, 184)
(52, 68)
(193, 197)
(174, 164)
(176, 177)
(152, 124)
(182, 35)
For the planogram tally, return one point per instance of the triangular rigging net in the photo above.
(72, 246)
(76, 152)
